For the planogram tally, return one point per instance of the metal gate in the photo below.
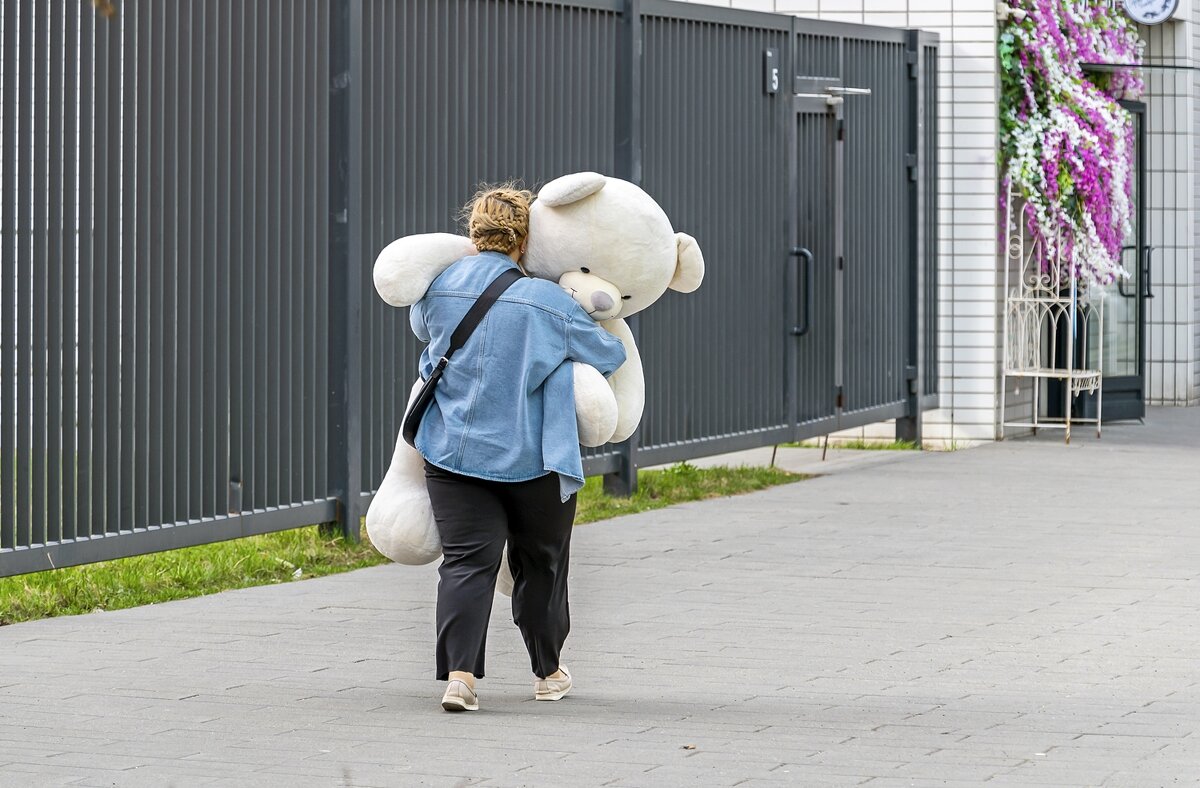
(864, 203)
(816, 280)
(815, 190)
(193, 193)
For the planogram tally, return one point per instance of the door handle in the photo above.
(801, 329)
(1146, 271)
(1121, 280)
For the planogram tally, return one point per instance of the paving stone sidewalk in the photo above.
(1016, 614)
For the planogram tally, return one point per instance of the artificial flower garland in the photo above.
(1066, 145)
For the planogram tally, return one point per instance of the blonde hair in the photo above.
(498, 217)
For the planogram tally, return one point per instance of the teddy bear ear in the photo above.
(571, 188)
(689, 266)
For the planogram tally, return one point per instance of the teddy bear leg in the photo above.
(595, 406)
(628, 382)
(400, 521)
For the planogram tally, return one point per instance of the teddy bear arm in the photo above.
(407, 266)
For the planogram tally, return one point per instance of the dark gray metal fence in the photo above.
(164, 273)
(455, 93)
(193, 194)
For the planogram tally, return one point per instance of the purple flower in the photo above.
(1069, 143)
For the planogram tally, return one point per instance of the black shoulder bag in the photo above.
(412, 419)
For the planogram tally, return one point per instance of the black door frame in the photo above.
(1125, 395)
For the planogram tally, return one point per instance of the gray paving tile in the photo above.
(996, 614)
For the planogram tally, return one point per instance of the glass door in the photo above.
(1125, 367)
(1124, 330)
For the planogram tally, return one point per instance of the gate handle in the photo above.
(800, 251)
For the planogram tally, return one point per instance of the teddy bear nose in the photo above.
(602, 301)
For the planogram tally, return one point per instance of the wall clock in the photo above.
(1151, 12)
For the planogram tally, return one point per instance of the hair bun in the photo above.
(498, 217)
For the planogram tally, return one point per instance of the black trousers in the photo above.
(475, 517)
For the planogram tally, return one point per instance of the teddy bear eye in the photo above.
(626, 298)
(585, 270)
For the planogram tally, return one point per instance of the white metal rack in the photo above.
(1047, 313)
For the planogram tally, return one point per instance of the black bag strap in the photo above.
(473, 317)
(475, 314)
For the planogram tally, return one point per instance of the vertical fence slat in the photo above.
(321, 78)
(24, 235)
(911, 426)
(240, 98)
(104, 188)
(198, 262)
(156, 196)
(141, 148)
(162, 343)
(227, 491)
(8, 270)
(183, 262)
(52, 303)
(170, 156)
(256, 316)
(275, 284)
(293, 259)
(131, 268)
(345, 274)
(930, 303)
(307, 301)
(114, 319)
(39, 305)
(186, 258)
(215, 429)
(69, 233)
(373, 31)
(85, 286)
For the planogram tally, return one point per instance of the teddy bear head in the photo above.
(609, 244)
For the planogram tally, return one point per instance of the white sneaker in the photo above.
(460, 697)
(552, 689)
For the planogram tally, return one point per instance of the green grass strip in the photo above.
(307, 552)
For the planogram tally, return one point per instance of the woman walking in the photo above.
(492, 439)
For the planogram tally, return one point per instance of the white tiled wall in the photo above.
(1172, 354)
(969, 337)
(1194, 396)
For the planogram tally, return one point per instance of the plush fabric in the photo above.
(400, 519)
(407, 266)
(607, 243)
(610, 245)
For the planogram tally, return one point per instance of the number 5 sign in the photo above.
(771, 71)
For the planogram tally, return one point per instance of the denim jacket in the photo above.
(504, 409)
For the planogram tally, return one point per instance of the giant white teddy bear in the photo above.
(606, 242)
